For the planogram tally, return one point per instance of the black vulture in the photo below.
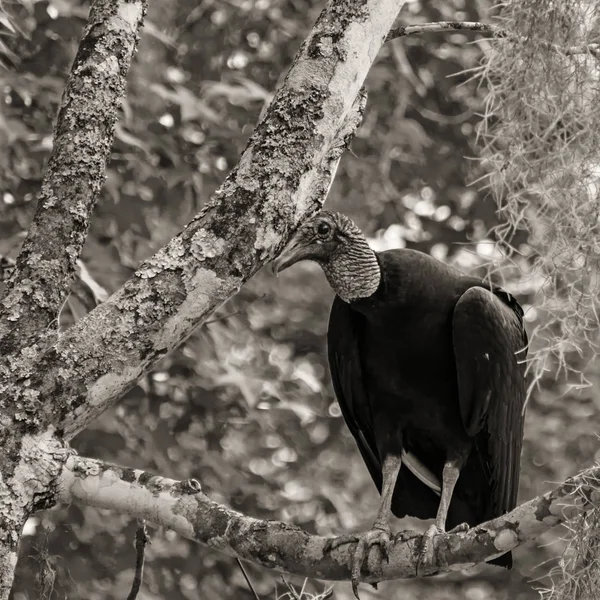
(427, 366)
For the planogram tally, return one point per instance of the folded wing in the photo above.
(490, 346)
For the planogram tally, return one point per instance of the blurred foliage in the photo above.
(245, 405)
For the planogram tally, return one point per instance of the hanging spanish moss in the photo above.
(541, 136)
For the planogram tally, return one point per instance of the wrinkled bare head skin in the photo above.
(339, 246)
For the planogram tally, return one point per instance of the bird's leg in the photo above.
(380, 532)
(450, 476)
(390, 469)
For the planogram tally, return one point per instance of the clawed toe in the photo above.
(342, 540)
(460, 528)
(425, 553)
(374, 537)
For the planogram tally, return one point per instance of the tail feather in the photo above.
(505, 560)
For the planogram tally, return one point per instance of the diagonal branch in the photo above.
(83, 139)
(283, 177)
(182, 507)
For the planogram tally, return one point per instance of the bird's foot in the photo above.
(426, 552)
(379, 535)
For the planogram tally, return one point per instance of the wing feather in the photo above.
(490, 346)
(343, 338)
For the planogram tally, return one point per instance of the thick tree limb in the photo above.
(282, 178)
(182, 507)
(83, 139)
(8, 559)
(27, 483)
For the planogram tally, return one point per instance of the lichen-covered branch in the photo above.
(182, 507)
(281, 179)
(28, 480)
(83, 139)
(8, 557)
(31, 456)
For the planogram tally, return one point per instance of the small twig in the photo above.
(223, 317)
(441, 26)
(47, 573)
(141, 540)
(291, 591)
(239, 562)
(232, 313)
(493, 30)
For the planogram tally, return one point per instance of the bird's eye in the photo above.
(323, 229)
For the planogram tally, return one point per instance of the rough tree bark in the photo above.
(51, 386)
(40, 283)
(182, 507)
(83, 139)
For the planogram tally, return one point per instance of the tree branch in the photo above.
(443, 26)
(83, 138)
(493, 30)
(283, 177)
(29, 471)
(141, 540)
(182, 507)
(8, 558)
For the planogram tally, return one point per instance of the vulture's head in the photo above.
(318, 239)
(339, 246)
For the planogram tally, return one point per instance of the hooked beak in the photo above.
(294, 252)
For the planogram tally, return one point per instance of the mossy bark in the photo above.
(182, 507)
(83, 139)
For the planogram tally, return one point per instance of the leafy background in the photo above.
(245, 406)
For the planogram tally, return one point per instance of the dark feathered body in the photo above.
(427, 365)
(396, 359)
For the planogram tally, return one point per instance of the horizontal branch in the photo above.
(83, 138)
(443, 26)
(182, 507)
(493, 30)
